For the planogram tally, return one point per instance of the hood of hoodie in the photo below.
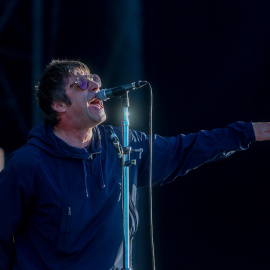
(42, 136)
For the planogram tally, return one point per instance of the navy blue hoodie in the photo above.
(63, 204)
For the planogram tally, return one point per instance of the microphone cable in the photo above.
(150, 177)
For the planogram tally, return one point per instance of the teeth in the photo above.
(96, 101)
(93, 100)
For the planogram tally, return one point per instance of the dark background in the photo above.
(208, 64)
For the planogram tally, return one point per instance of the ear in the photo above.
(59, 106)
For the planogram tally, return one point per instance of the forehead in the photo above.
(78, 72)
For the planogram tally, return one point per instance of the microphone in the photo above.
(105, 94)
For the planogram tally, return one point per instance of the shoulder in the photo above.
(24, 157)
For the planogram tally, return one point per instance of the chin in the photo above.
(100, 120)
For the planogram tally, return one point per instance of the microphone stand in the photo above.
(125, 180)
(126, 162)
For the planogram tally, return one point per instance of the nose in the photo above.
(93, 86)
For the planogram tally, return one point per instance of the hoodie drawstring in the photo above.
(85, 179)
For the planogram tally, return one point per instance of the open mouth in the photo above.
(96, 102)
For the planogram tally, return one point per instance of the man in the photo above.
(60, 194)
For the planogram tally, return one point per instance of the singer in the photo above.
(60, 193)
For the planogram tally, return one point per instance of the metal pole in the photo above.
(125, 181)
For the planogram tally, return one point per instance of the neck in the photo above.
(78, 138)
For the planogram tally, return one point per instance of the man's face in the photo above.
(85, 110)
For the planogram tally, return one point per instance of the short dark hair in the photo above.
(51, 86)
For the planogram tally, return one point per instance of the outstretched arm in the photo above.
(262, 131)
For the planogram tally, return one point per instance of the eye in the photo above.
(83, 83)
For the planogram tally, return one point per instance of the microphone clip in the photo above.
(116, 144)
(127, 150)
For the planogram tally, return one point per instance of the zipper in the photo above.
(91, 155)
(65, 239)
(102, 185)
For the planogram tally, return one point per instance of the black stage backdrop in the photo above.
(208, 63)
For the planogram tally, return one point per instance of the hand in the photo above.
(262, 131)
